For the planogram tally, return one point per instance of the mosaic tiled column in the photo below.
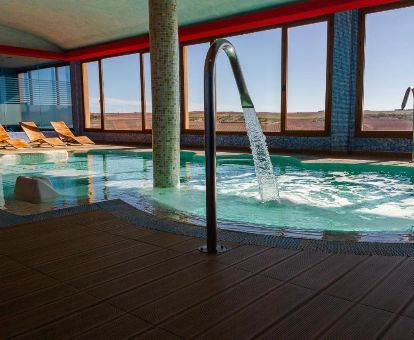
(344, 80)
(165, 92)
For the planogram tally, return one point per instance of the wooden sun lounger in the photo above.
(67, 135)
(5, 140)
(37, 137)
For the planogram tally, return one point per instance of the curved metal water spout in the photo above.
(403, 105)
(210, 131)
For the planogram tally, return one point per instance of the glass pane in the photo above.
(91, 95)
(122, 93)
(63, 73)
(148, 95)
(306, 86)
(195, 85)
(259, 54)
(389, 53)
(63, 85)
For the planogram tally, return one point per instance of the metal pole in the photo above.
(210, 132)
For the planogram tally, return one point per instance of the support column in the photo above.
(163, 28)
(344, 80)
(76, 94)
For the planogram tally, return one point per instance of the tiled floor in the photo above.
(92, 275)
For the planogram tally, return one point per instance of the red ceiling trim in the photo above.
(117, 47)
(273, 17)
(242, 23)
(28, 52)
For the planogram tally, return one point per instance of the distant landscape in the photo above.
(398, 120)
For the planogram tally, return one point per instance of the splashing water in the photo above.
(268, 187)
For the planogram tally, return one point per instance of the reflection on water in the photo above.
(317, 200)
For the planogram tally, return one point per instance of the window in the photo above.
(306, 76)
(259, 54)
(389, 53)
(92, 95)
(147, 93)
(303, 106)
(63, 85)
(122, 93)
(115, 93)
(195, 85)
(43, 97)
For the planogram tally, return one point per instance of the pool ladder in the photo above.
(403, 105)
(210, 132)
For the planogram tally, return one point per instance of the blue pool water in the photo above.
(315, 198)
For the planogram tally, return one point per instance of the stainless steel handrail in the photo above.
(210, 131)
(403, 105)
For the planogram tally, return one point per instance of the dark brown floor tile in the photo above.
(327, 271)
(22, 283)
(155, 290)
(35, 318)
(360, 280)
(35, 229)
(65, 249)
(75, 323)
(402, 329)
(131, 232)
(191, 295)
(122, 269)
(121, 328)
(188, 246)
(123, 255)
(309, 320)
(192, 245)
(163, 239)
(409, 311)
(9, 266)
(157, 334)
(295, 265)
(90, 217)
(141, 277)
(361, 322)
(38, 240)
(239, 254)
(266, 259)
(201, 317)
(86, 256)
(34, 300)
(114, 225)
(395, 290)
(259, 315)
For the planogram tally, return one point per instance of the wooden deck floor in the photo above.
(94, 276)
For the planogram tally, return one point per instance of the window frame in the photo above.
(141, 93)
(359, 110)
(284, 77)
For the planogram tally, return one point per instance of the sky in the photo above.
(388, 69)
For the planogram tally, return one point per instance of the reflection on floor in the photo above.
(94, 275)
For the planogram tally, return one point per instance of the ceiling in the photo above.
(63, 25)
(18, 62)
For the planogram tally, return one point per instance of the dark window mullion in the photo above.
(284, 80)
(101, 94)
(143, 99)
